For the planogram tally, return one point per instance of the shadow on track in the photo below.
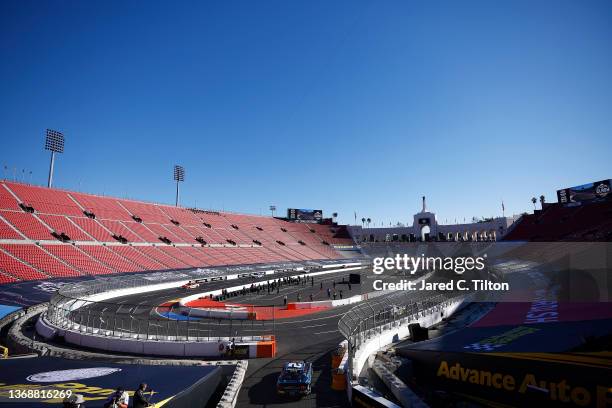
(259, 387)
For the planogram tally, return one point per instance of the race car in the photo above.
(295, 379)
(191, 285)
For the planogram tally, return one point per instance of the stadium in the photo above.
(90, 281)
(413, 254)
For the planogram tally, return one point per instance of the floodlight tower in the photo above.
(179, 176)
(272, 209)
(55, 143)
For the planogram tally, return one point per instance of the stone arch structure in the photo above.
(491, 230)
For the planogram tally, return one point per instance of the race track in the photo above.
(308, 337)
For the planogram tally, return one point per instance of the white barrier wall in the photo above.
(218, 292)
(397, 332)
(330, 303)
(219, 313)
(130, 343)
(99, 297)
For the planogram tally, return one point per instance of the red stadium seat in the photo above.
(46, 200)
(17, 268)
(79, 259)
(40, 259)
(91, 220)
(28, 224)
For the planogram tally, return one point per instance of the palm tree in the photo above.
(363, 220)
(368, 221)
(534, 201)
(542, 200)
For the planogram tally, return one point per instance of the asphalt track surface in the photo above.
(309, 337)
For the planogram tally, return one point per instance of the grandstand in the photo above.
(247, 265)
(590, 221)
(47, 232)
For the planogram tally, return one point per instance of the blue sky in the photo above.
(344, 106)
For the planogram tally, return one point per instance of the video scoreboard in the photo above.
(304, 215)
(597, 191)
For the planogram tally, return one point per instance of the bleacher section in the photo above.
(46, 233)
(39, 259)
(18, 269)
(586, 222)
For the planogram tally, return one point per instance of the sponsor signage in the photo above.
(597, 191)
(519, 379)
(45, 381)
(240, 350)
(71, 375)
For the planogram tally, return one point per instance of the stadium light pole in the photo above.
(179, 176)
(54, 142)
(272, 209)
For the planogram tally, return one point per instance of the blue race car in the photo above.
(295, 379)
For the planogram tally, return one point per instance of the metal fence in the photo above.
(372, 317)
(71, 309)
(150, 322)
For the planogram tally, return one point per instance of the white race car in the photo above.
(191, 285)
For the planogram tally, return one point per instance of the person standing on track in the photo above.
(285, 300)
(231, 347)
(140, 400)
(118, 399)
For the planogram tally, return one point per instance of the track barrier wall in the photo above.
(382, 321)
(246, 314)
(69, 316)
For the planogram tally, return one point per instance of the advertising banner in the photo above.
(597, 191)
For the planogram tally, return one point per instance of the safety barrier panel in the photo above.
(383, 320)
(84, 314)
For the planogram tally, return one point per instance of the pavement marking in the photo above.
(314, 325)
(329, 331)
